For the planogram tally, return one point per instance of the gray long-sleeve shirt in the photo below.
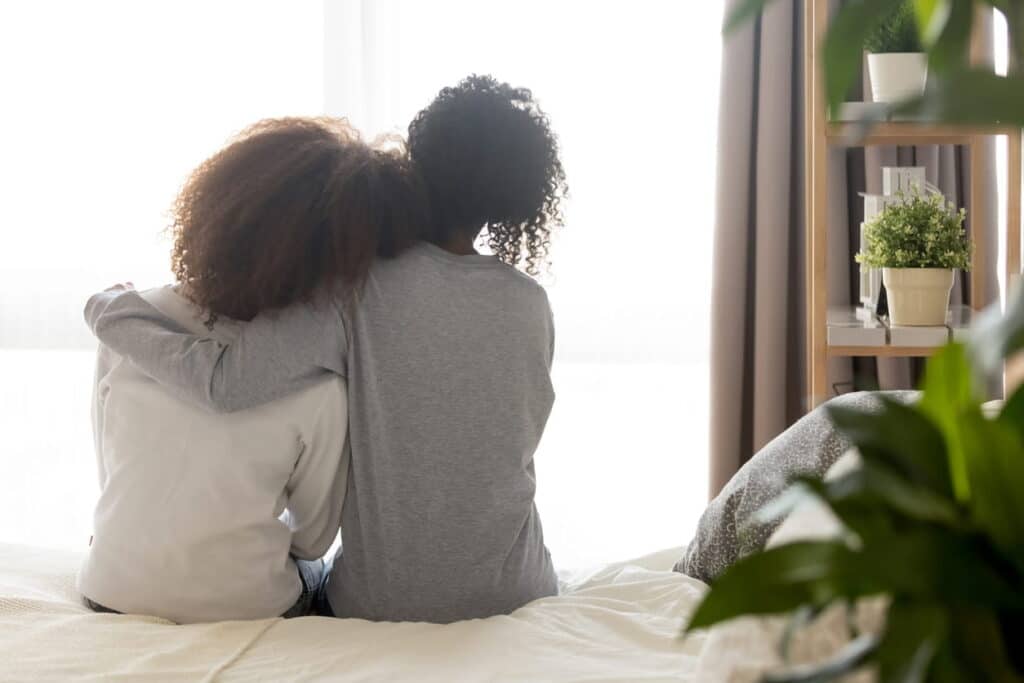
(448, 362)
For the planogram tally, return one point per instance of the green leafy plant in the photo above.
(933, 518)
(918, 231)
(957, 91)
(934, 515)
(897, 33)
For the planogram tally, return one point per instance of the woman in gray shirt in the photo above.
(447, 354)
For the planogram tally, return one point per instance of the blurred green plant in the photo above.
(933, 516)
(957, 92)
(933, 519)
(919, 231)
(897, 33)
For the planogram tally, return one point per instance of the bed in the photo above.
(619, 622)
(615, 623)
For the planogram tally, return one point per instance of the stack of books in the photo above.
(854, 327)
(856, 112)
(848, 326)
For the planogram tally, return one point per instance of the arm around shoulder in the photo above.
(275, 354)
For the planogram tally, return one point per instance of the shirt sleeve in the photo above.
(105, 362)
(277, 353)
(316, 490)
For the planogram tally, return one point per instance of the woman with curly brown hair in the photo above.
(189, 523)
(447, 353)
(290, 206)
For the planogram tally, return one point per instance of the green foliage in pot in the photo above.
(897, 33)
(957, 91)
(933, 519)
(919, 231)
(934, 516)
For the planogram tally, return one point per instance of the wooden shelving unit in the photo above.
(822, 135)
(880, 351)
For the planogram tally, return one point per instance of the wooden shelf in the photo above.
(823, 134)
(882, 351)
(845, 134)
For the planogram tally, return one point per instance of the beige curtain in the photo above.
(758, 382)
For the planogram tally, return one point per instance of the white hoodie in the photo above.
(199, 512)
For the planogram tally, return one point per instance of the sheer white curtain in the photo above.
(631, 89)
(109, 104)
(106, 106)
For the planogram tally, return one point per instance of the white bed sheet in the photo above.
(616, 623)
(619, 622)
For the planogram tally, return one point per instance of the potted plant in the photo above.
(966, 93)
(897, 63)
(933, 520)
(918, 242)
(955, 614)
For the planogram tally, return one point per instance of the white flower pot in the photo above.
(897, 75)
(918, 296)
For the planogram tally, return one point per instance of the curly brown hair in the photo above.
(287, 207)
(490, 161)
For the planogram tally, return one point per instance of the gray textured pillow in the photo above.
(809, 447)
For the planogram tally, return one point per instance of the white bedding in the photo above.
(617, 623)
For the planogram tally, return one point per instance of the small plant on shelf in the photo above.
(917, 231)
(897, 63)
(918, 241)
(961, 93)
(897, 33)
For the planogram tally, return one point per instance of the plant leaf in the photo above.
(995, 465)
(860, 514)
(968, 96)
(786, 502)
(949, 394)
(798, 620)
(1012, 414)
(856, 653)
(780, 580)
(947, 668)
(932, 17)
(996, 336)
(933, 564)
(948, 385)
(914, 633)
(949, 49)
(844, 44)
(983, 644)
(882, 486)
(902, 437)
(1012, 625)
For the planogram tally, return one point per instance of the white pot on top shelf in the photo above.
(897, 64)
(897, 76)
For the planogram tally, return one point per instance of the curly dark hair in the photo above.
(289, 206)
(490, 161)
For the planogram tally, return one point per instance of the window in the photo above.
(107, 106)
(118, 101)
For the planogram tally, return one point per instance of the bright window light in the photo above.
(117, 101)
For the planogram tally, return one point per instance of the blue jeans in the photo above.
(311, 573)
(321, 606)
